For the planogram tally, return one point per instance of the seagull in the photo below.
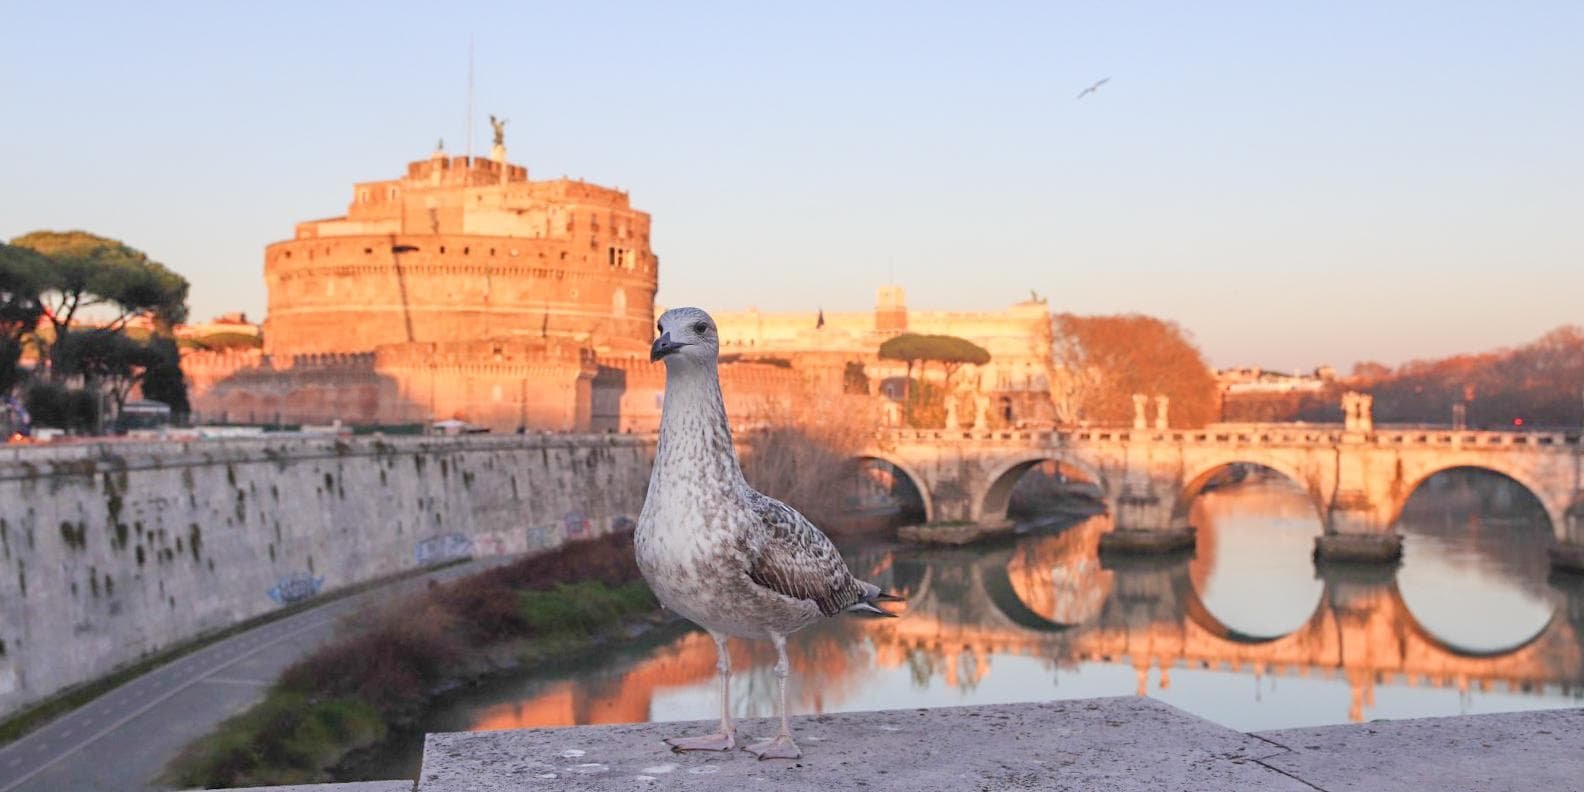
(1093, 88)
(731, 559)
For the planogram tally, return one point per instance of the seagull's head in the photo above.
(687, 336)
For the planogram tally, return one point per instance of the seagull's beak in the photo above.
(663, 346)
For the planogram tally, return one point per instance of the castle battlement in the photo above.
(460, 170)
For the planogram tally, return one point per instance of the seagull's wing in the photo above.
(1094, 88)
(788, 555)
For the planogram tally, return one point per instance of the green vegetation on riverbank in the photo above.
(349, 694)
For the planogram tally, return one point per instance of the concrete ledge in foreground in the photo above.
(349, 786)
(1096, 744)
(1543, 749)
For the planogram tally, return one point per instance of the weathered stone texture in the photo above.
(110, 552)
(1100, 744)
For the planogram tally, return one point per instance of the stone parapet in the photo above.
(1108, 743)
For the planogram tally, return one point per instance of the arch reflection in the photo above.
(1253, 567)
(1474, 561)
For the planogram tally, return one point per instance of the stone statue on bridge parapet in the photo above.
(1161, 402)
(1140, 401)
(1358, 412)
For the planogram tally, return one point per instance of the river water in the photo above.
(1246, 632)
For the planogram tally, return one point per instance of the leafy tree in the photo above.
(1541, 383)
(83, 271)
(906, 348)
(1104, 360)
(949, 351)
(953, 353)
(221, 341)
(19, 308)
(53, 404)
(162, 379)
(109, 359)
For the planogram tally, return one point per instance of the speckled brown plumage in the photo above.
(713, 549)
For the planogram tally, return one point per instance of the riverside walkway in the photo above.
(121, 740)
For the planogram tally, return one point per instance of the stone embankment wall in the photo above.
(109, 552)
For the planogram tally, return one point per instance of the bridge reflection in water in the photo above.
(1247, 632)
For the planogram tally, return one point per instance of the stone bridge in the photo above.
(1358, 479)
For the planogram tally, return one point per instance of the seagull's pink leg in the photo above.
(781, 745)
(726, 738)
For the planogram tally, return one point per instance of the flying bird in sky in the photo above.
(724, 555)
(1093, 88)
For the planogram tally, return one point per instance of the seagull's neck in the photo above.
(695, 440)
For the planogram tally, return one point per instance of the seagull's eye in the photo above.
(659, 328)
(700, 328)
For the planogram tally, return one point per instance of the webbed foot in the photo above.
(779, 747)
(719, 741)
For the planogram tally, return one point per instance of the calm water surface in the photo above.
(1247, 633)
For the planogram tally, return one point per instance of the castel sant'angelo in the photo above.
(464, 289)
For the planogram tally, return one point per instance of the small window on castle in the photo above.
(391, 194)
(563, 255)
(492, 251)
(466, 250)
(442, 248)
(367, 251)
(288, 254)
(362, 196)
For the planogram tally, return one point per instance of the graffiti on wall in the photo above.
(490, 544)
(295, 587)
(577, 524)
(440, 549)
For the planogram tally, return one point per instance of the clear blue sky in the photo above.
(1293, 182)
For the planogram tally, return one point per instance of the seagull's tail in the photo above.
(871, 595)
(866, 609)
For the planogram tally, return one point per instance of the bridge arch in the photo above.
(1556, 511)
(1201, 474)
(1004, 478)
(918, 482)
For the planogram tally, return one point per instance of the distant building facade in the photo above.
(1016, 382)
(459, 290)
(1253, 379)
